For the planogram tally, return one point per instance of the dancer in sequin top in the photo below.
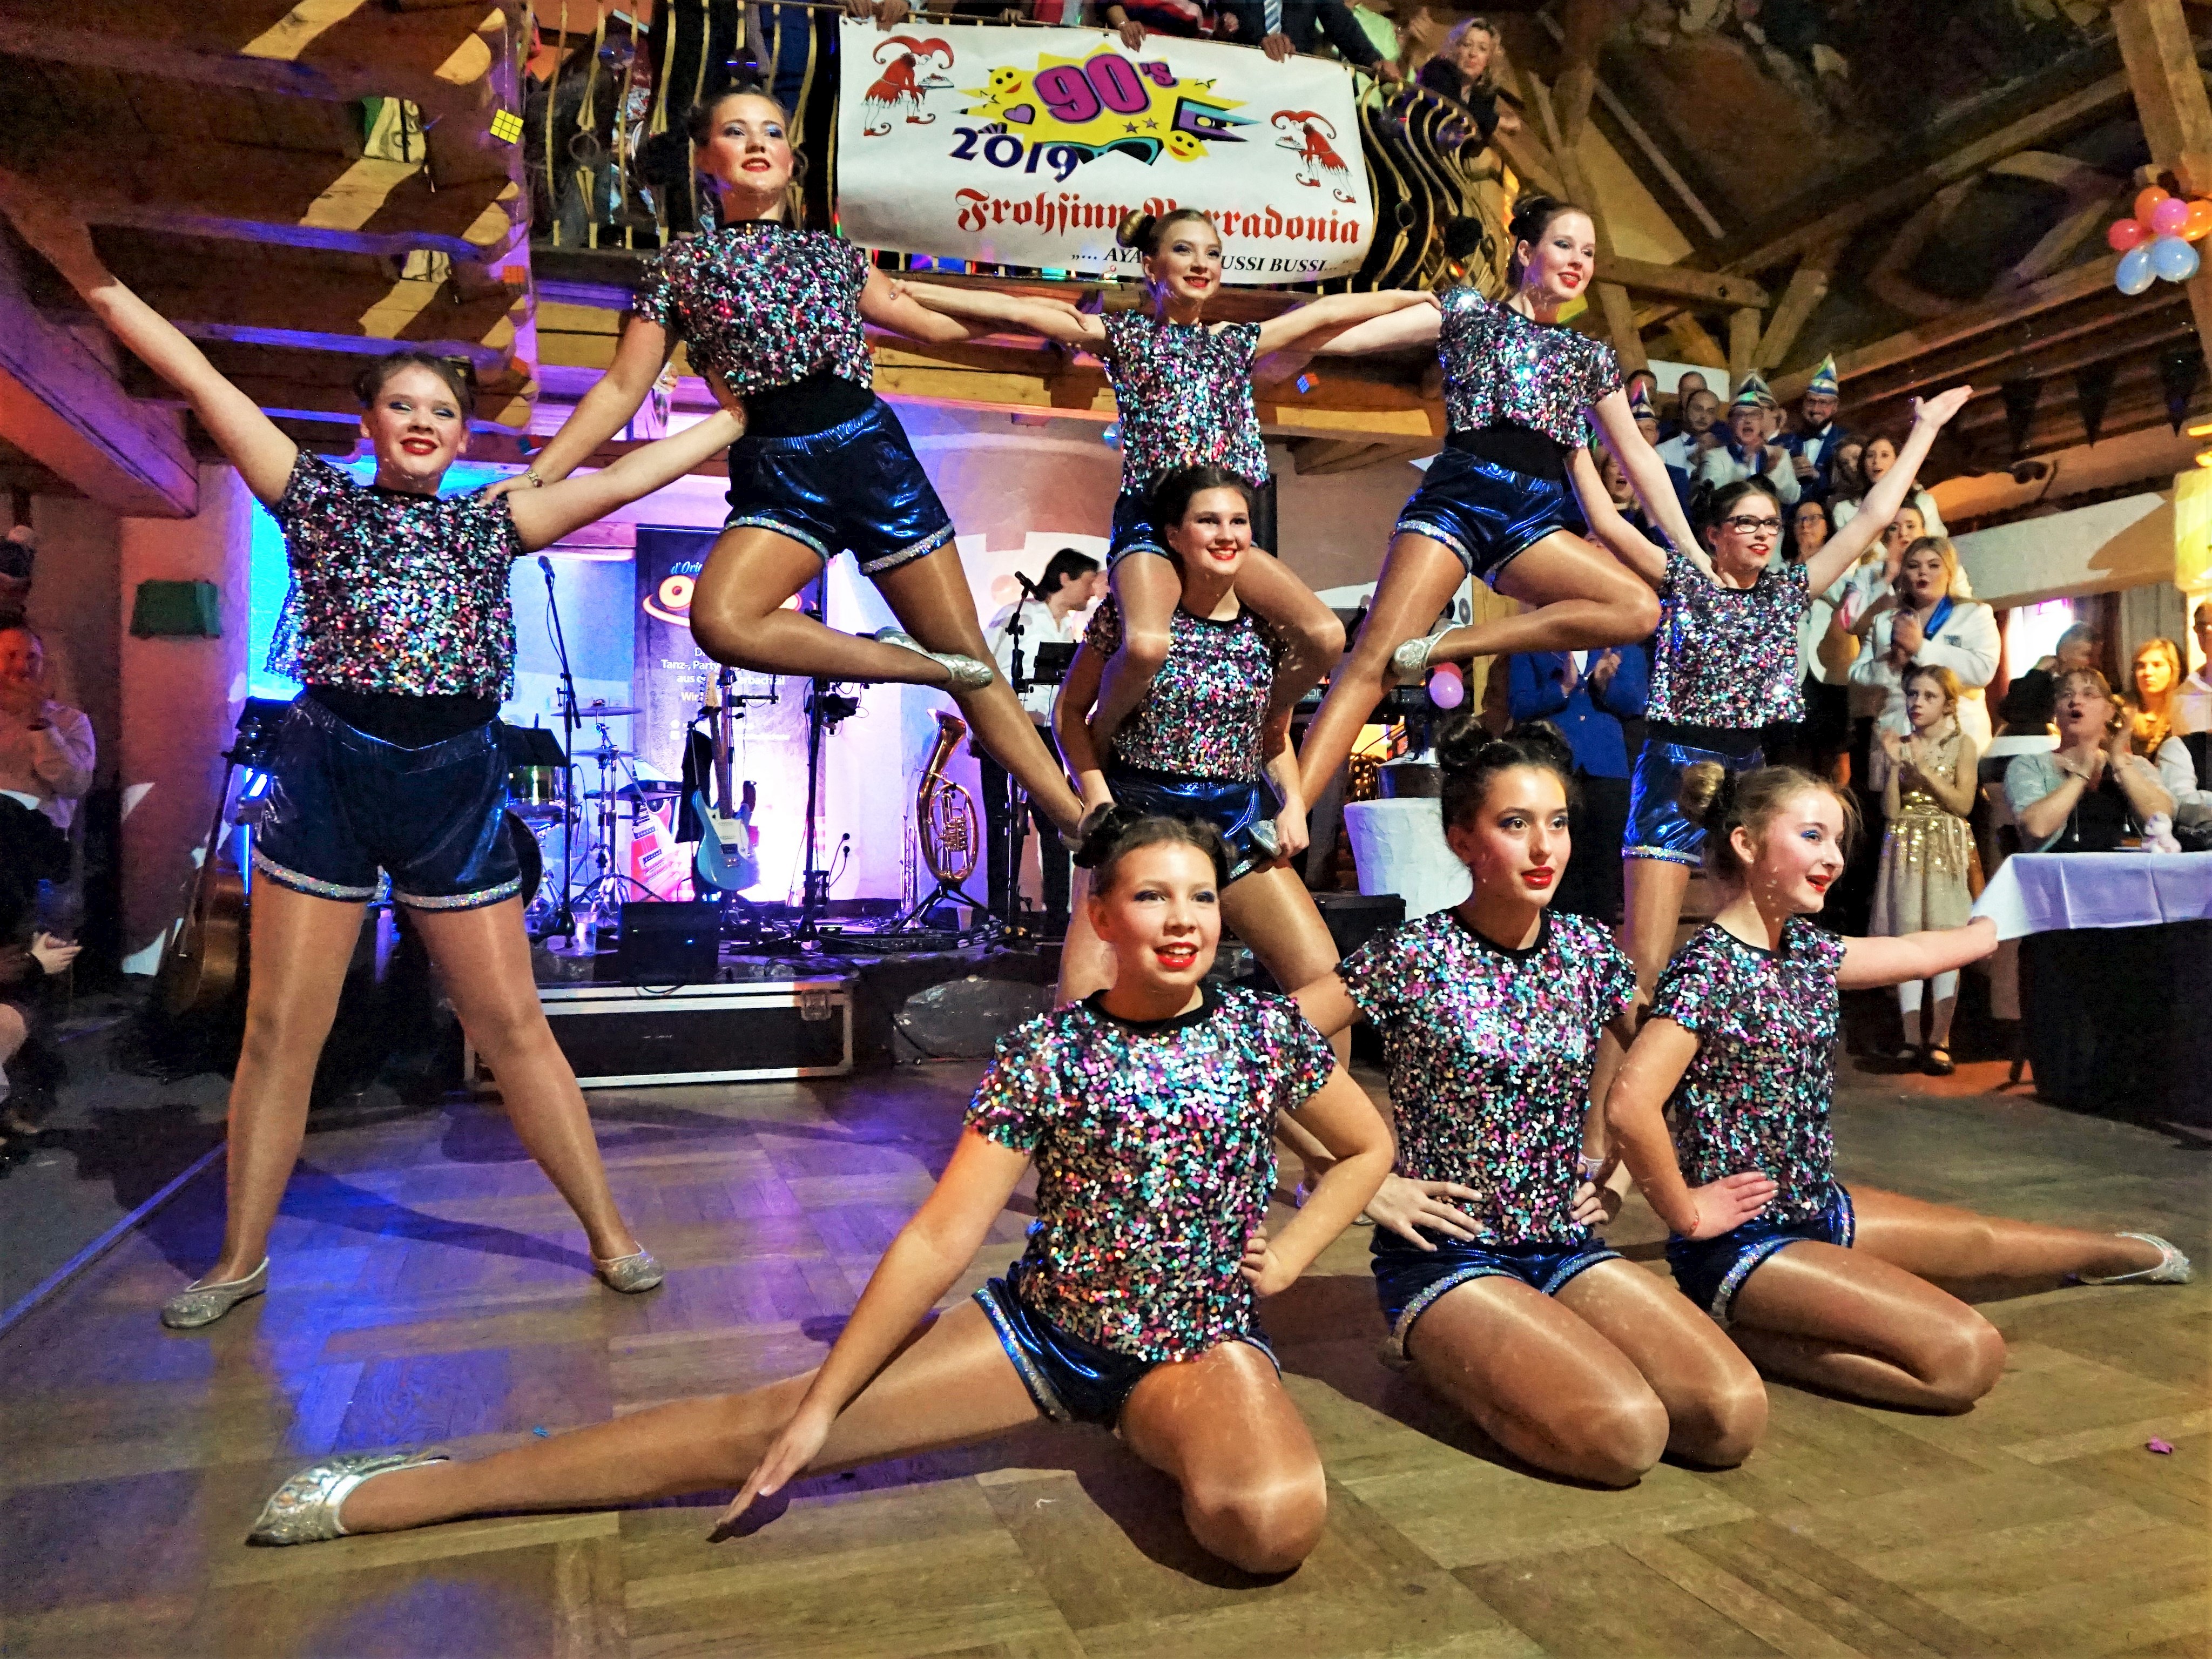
(775, 313)
(1817, 1282)
(1520, 392)
(389, 764)
(1183, 389)
(1147, 1114)
(1499, 1292)
(1725, 664)
(1205, 744)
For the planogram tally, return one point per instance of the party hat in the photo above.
(1752, 393)
(1639, 403)
(1824, 383)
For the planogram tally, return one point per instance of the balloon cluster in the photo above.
(2154, 243)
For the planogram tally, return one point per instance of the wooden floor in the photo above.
(428, 1286)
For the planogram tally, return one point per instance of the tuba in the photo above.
(944, 812)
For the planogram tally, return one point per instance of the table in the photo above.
(1399, 847)
(2115, 975)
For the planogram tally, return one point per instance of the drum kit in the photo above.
(620, 806)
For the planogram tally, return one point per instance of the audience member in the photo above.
(1819, 742)
(1931, 623)
(1746, 452)
(2151, 727)
(18, 551)
(1381, 33)
(1876, 457)
(1071, 583)
(1587, 695)
(46, 754)
(1700, 418)
(2192, 699)
(1845, 482)
(2028, 701)
(31, 851)
(1465, 70)
(1283, 29)
(2093, 791)
(1927, 854)
(1813, 445)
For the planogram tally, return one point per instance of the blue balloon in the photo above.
(2174, 259)
(2135, 274)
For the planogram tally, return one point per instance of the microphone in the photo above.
(1029, 587)
(546, 565)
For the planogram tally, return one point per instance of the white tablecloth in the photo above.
(1399, 847)
(2045, 892)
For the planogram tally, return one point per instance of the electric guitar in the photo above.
(726, 861)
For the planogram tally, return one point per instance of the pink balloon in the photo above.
(2168, 217)
(1447, 687)
(2124, 233)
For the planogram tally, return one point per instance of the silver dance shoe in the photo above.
(967, 674)
(202, 1304)
(1266, 840)
(630, 1274)
(1409, 663)
(305, 1510)
(2172, 1268)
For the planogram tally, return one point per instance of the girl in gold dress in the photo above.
(1927, 853)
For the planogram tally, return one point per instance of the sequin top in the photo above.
(1728, 656)
(762, 305)
(1184, 394)
(1756, 1096)
(1202, 716)
(393, 591)
(1490, 1053)
(1156, 1153)
(1503, 368)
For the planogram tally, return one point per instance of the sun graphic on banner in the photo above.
(1105, 104)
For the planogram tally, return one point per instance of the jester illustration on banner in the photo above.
(1028, 147)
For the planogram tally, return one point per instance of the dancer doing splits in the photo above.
(1183, 388)
(390, 762)
(776, 313)
(1495, 503)
(1490, 1016)
(1148, 1111)
(1724, 665)
(1816, 1282)
(1201, 745)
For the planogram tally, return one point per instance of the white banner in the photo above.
(1027, 146)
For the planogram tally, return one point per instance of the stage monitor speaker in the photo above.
(1355, 918)
(677, 944)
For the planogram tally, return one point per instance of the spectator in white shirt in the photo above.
(1748, 451)
(2192, 698)
(1878, 455)
(1701, 414)
(46, 752)
(1930, 624)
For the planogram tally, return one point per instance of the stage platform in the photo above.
(428, 1286)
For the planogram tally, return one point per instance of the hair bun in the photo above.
(1706, 793)
(1101, 831)
(1136, 230)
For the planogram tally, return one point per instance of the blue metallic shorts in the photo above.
(1657, 827)
(1243, 812)
(1072, 1379)
(1409, 1281)
(1710, 1271)
(855, 486)
(1133, 530)
(343, 806)
(1486, 514)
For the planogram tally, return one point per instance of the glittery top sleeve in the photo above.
(1757, 1093)
(1503, 368)
(762, 306)
(1203, 715)
(1728, 656)
(1155, 1153)
(1184, 394)
(392, 592)
(1490, 1053)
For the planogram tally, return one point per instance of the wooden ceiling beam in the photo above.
(2098, 330)
(297, 198)
(61, 406)
(1613, 301)
(1681, 283)
(441, 58)
(1807, 286)
(2130, 351)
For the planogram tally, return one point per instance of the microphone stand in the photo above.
(564, 916)
(1017, 799)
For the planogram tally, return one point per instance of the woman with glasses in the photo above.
(1725, 662)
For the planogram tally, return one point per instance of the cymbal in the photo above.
(588, 711)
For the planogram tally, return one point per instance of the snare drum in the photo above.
(533, 793)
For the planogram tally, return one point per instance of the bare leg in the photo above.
(1578, 596)
(1716, 1404)
(301, 948)
(930, 598)
(1938, 1242)
(1539, 1381)
(13, 1034)
(1654, 912)
(1271, 910)
(1147, 586)
(1312, 630)
(738, 617)
(952, 1383)
(1419, 576)
(1223, 1428)
(1086, 962)
(484, 958)
(1847, 1319)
